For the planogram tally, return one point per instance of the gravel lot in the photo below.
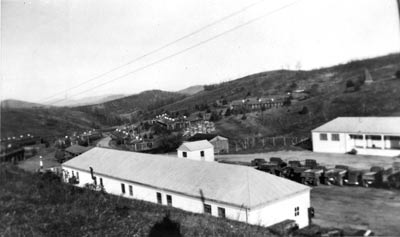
(357, 207)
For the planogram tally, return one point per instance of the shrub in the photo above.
(397, 74)
(352, 152)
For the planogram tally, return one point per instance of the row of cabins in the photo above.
(255, 103)
(193, 182)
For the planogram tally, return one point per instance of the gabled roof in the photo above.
(365, 125)
(219, 138)
(77, 149)
(206, 136)
(235, 185)
(195, 146)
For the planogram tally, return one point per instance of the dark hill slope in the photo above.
(145, 101)
(18, 104)
(45, 121)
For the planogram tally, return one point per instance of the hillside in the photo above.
(191, 90)
(34, 205)
(134, 105)
(45, 121)
(328, 97)
(18, 104)
(86, 100)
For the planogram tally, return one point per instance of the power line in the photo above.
(186, 49)
(160, 48)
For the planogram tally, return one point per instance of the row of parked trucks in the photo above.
(311, 173)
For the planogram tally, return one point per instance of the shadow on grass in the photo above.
(166, 227)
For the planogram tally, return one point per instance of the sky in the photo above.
(50, 47)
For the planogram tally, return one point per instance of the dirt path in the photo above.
(364, 208)
(327, 159)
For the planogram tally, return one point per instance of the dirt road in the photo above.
(357, 207)
(326, 159)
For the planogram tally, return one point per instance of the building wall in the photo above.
(195, 155)
(145, 193)
(220, 146)
(283, 210)
(346, 144)
(329, 145)
(266, 215)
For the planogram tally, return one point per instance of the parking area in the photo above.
(326, 159)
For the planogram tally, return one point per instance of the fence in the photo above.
(264, 142)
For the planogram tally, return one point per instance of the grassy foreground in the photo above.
(34, 205)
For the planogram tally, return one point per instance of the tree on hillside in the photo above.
(304, 110)
(349, 83)
(397, 74)
(214, 116)
(228, 112)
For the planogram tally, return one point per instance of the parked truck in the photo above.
(354, 177)
(373, 177)
(336, 175)
(311, 176)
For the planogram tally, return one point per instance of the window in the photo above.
(202, 153)
(296, 211)
(169, 200)
(207, 209)
(130, 190)
(159, 198)
(73, 174)
(335, 137)
(101, 182)
(77, 174)
(221, 212)
(123, 188)
(323, 137)
(184, 154)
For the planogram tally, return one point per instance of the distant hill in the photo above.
(192, 90)
(85, 101)
(147, 100)
(18, 104)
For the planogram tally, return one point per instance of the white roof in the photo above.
(365, 125)
(235, 185)
(195, 146)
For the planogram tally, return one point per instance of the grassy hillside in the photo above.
(44, 122)
(328, 97)
(18, 104)
(33, 205)
(147, 100)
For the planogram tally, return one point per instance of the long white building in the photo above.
(228, 191)
(366, 135)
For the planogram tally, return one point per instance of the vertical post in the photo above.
(365, 142)
(41, 163)
(273, 141)
(383, 142)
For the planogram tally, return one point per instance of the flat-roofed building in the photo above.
(366, 135)
(229, 191)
